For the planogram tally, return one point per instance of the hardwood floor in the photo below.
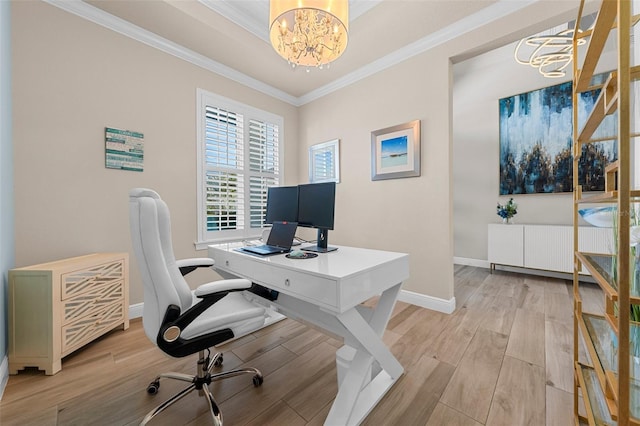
(502, 358)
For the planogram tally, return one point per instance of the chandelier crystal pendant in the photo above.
(311, 33)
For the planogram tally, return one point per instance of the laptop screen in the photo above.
(282, 234)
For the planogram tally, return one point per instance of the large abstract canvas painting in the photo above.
(536, 137)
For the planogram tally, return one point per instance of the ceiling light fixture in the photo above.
(550, 54)
(311, 33)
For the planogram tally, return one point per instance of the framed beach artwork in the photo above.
(536, 139)
(395, 151)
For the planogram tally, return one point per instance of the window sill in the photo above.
(203, 245)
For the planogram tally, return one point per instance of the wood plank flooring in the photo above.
(502, 358)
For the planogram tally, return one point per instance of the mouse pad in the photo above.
(306, 255)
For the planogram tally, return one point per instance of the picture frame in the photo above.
(324, 162)
(395, 151)
(124, 149)
(536, 141)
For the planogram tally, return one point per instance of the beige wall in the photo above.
(478, 85)
(73, 78)
(476, 151)
(408, 215)
(7, 251)
(415, 215)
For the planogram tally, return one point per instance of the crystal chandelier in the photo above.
(550, 54)
(310, 33)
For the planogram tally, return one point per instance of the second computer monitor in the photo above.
(316, 209)
(316, 205)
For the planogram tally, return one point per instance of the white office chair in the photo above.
(176, 321)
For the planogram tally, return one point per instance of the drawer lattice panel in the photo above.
(85, 329)
(79, 281)
(94, 300)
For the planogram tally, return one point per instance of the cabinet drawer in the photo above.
(506, 244)
(84, 330)
(304, 286)
(77, 282)
(94, 299)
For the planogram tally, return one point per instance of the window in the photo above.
(324, 162)
(239, 157)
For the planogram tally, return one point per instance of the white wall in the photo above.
(478, 85)
(6, 180)
(73, 78)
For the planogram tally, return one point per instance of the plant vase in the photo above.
(507, 211)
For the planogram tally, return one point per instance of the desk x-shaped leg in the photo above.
(357, 395)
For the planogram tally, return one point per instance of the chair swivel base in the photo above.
(201, 382)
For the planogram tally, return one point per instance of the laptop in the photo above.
(279, 241)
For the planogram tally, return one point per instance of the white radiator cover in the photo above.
(546, 247)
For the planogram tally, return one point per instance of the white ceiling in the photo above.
(253, 16)
(230, 37)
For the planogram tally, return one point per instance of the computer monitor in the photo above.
(316, 209)
(282, 204)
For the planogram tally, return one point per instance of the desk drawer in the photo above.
(307, 287)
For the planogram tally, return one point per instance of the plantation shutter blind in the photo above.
(224, 186)
(239, 159)
(263, 165)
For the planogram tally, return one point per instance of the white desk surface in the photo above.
(338, 280)
(340, 264)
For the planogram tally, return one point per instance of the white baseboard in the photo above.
(4, 375)
(422, 300)
(428, 302)
(471, 262)
(135, 311)
(539, 272)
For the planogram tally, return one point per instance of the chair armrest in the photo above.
(175, 321)
(222, 285)
(191, 264)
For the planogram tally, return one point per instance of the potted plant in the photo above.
(507, 211)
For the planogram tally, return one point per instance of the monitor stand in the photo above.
(321, 247)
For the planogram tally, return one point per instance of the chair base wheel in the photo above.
(153, 387)
(257, 380)
(218, 362)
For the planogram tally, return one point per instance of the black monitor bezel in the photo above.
(317, 189)
(271, 215)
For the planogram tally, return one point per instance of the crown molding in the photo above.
(249, 20)
(252, 16)
(472, 22)
(100, 17)
(358, 8)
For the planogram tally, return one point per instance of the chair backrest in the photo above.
(164, 285)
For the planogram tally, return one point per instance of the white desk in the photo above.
(327, 291)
